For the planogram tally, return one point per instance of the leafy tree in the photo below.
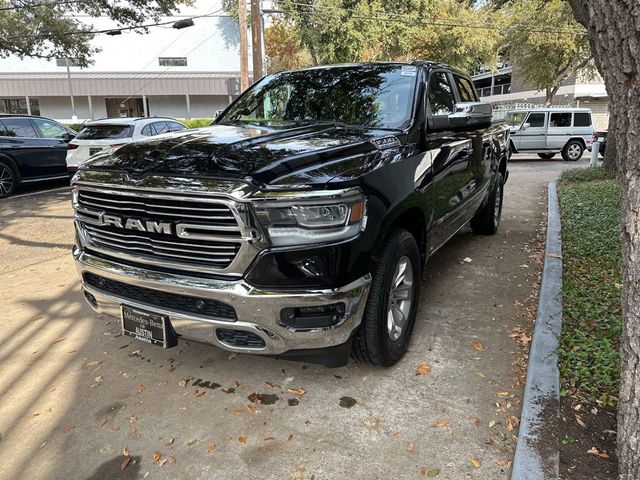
(336, 31)
(283, 47)
(48, 29)
(546, 44)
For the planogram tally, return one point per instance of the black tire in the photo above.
(8, 180)
(487, 220)
(572, 151)
(546, 156)
(373, 343)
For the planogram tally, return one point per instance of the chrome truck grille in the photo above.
(192, 233)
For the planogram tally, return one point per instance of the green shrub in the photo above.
(587, 175)
(197, 122)
(592, 318)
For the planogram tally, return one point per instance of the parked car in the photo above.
(110, 133)
(299, 223)
(32, 149)
(601, 137)
(548, 131)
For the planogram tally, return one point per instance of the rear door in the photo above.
(534, 136)
(560, 129)
(22, 142)
(58, 139)
(582, 126)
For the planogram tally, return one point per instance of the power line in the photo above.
(43, 4)
(94, 32)
(402, 18)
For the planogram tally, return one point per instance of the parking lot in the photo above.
(80, 401)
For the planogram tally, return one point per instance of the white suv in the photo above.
(547, 131)
(99, 135)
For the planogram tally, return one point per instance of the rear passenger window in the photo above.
(441, 99)
(148, 131)
(465, 89)
(176, 127)
(581, 119)
(18, 127)
(560, 119)
(536, 120)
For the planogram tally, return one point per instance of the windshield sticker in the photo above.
(409, 70)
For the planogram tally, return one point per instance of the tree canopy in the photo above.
(50, 28)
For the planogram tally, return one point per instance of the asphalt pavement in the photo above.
(80, 401)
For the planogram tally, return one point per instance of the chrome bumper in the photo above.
(258, 311)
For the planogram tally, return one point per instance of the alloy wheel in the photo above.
(400, 298)
(574, 151)
(6, 181)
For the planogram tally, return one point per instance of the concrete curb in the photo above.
(535, 458)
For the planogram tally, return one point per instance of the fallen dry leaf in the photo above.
(297, 391)
(242, 440)
(594, 451)
(172, 460)
(125, 451)
(409, 447)
(503, 394)
(474, 461)
(142, 387)
(512, 423)
(155, 456)
(211, 447)
(503, 463)
(440, 423)
(94, 363)
(170, 442)
(492, 423)
(125, 464)
(58, 340)
(70, 428)
(432, 472)
(478, 346)
(104, 422)
(191, 443)
(423, 369)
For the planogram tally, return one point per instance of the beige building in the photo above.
(505, 90)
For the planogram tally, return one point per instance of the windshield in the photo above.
(103, 132)
(377, 96)
(514, 119)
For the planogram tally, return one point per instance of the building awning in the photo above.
(119, 84)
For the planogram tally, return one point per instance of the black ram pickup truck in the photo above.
(299, 223)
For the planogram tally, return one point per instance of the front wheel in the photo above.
(573, 151)
(487, 219)
(387, 324)
(546, 156)
(7, 180)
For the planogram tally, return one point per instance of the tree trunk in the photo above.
(614, 34)
(549, 94)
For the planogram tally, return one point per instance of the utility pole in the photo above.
(256, 39)
(244, 59)
(73, 103)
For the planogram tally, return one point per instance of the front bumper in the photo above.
(257, 310)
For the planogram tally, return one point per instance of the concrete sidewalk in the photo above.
(74, 393)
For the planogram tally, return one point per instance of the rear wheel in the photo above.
(487, 219)
(573, 151)
(546, 156)
(7, 180)
(390, 314)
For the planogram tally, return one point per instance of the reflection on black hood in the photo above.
(236, 152)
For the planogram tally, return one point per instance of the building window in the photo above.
(172, 61)
(18, 106)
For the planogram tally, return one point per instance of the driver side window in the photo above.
(441, 97)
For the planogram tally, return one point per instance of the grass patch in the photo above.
(592, 318)
(197, 122)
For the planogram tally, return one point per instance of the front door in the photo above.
(19, 139)
(452, 155)
(534, 136)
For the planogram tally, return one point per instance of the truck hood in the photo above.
(255, 154)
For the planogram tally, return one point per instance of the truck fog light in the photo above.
(90, 299)
(312, 317)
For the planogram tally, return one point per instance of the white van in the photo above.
(547, 131)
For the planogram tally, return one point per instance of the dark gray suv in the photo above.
(32, 149)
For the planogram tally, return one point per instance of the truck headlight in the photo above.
(291, 222)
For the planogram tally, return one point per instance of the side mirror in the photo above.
(525, 126)
(471, 115)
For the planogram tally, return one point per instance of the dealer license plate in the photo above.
(145, 326)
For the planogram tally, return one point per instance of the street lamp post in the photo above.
(74, 117)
